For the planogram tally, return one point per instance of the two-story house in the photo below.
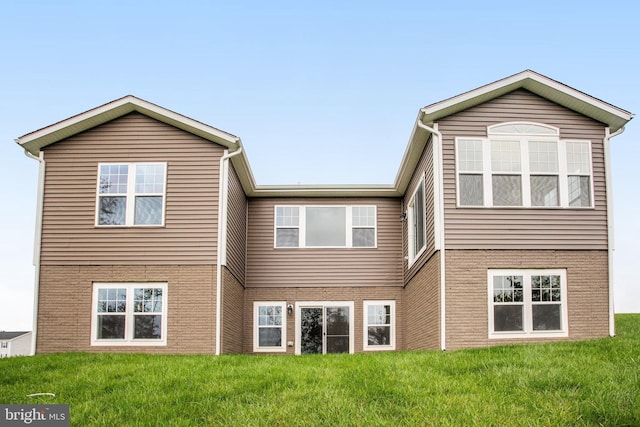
(15, 344)
(153, 235)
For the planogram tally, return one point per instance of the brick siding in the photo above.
(466, 292)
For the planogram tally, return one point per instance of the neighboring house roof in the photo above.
(612, 116)
(11, 335)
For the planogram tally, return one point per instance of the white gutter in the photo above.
(438, 189)
(221, 253)
(611, 241)
(37, 242)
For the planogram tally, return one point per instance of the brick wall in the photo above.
(422, 296)
(64, 321)
(466, 292)
(232, 313)
(293, 295)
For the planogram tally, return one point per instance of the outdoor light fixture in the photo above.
(289, 309)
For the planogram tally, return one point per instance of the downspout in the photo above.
(438, 189)
(610, 234)
(223, 194)
(37, 242)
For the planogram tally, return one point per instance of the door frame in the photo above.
(324, 305)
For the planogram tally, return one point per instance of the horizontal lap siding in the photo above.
(496, 228)
(236, 227)
(189, 236)
(306, 267)
(425, 166)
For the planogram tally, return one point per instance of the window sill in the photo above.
(128, 343)
(270, 350)
(379, 348)
(111, 227)
(553, 208)
(528, 335)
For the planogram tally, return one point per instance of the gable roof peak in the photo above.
(538, 84)
(34, 141)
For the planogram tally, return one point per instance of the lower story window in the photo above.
(129, 314)
(379, 329)
(270, 331)
(527, 303)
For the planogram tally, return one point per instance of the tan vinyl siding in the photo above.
(65, 311)
(524, 228)
(467, 323)
(424, 167)
(309, 267)
(69, 235)
(356, 294)
(236, 227)
(232, 313)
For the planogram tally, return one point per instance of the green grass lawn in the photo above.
(573, 383)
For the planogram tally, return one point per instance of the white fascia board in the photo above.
(35, 141)
(325, 191)
(411, 157)
(538, 84)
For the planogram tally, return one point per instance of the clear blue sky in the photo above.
(304, 84)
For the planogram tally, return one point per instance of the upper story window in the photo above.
(523, 165)
(417, 222)
(325, 226)
(131, 194)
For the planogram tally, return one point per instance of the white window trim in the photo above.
(324, 304)
(256, 327)
(302, 226)
(365, 326)
(528, 331)
(563, 159)
(525, 168)
(128, 339)
(130, 196)
(412, 257)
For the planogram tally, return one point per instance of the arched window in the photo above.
(523, 164)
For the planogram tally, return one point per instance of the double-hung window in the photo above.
(317, 226)
(379, 325)
(416, 222)
(579, 173)
(523, 165)
(131, 194)
(129, 314)
(527, 303)
(270, 326)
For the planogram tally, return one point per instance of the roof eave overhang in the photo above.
(33, 142)
(557, 92)
(324, 191)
